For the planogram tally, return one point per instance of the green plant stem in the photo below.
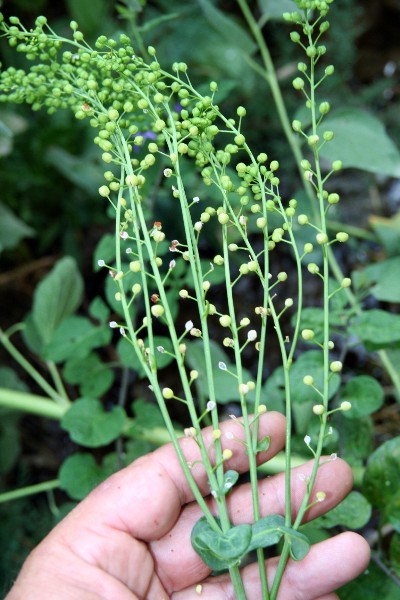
(272, 79)
(36, 376)
(30, 490)
(30, 403)
(57, 380)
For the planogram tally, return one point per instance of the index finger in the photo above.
(145, 498)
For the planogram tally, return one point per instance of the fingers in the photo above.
(178, 563)
(232, 438)
(328, 566)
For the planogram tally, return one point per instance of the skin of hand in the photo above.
(130, 538)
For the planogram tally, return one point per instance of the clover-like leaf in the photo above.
(90, 425)
(220, 550)
(266, 532)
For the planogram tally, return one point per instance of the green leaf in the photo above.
(90, 425)
(387, 230)
(147, 415)
(263, 444)
(355, 438)
(82, 170)
(360, 142)
(75, 338)
(94, 377)
(365, 394)
(230, 478)
(80, 474)
(56, 297)
(227, 27)
(220, 550)
(353, 512)
(90, 14)
(266, 532)
(299, 543)
(384, 277)
(105, 250)
(99, 310)
(373, 583)
(12, 229)
(381, 480)
(271, 9)
(376, 328)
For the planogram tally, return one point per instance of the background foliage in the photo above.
(53, 228)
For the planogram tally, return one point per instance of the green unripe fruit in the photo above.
(302, 219)
(311, 51)
(296, 125)
(337, 165)
(240, 140)
(322, 238)
(324, 108)
(295, 37)
(308, 380)
(223, 218)
(313, 140)
(241, 111)
(261, 222)
(330, 69)
(218, 260)
(328, 136)
(308, 248)
(333, 198)
(157, 311)
(134, 266)
(298, 83)
(205, 217)
(346, 282)
(307, 334)
(342, 236)
(104, 191)
(151, 50)
(274, 166)
(336, 366)
(167, 393)
(225, 321)
(113, 114)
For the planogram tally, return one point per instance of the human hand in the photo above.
(130, 538)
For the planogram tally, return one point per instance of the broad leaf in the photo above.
(381, 480)
(80, 473)
(75, 338)
(360, 142)
(12, 229)
(353, 512)
(384, 277)
(56, 297)
(90, 425)
(299, 543)
(267, 532)
(220, 550)
(227, 27)
(365, 394)
(376, 328)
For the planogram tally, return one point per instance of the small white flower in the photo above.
(161, 349)
(101, 262)
(333, 456)
(172, 264)
(151, 388)
(229, 435)
(252, 335)
(124, 235)
(307, 440)
(113, 324)
(222, 366)
(167, 172)
(196, 199)
(122, 331)
(188, 325)
(211, 405)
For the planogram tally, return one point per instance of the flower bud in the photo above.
(167, 393)
(157, 310)
(336, 366)
(307, 334)
(318, 409)
(345, 405)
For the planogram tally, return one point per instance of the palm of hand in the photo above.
(131, 537)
